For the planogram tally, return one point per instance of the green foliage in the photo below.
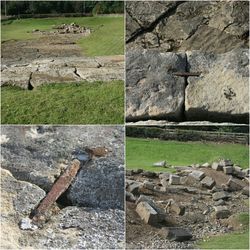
(85, 103)
(142, 153)
(46, 7)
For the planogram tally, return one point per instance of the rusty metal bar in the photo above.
(60, 186)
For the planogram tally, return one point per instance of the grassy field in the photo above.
(142, 153)
(85, 103)
(236, 240)
(107, 37)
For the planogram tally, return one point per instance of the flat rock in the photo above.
(227, 75)
(152, 90)
(220, 196)
(198, 175)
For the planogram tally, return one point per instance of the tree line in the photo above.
(10, 8)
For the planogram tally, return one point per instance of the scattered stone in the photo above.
(226, 163)
(220, 195)
(235, 185)
(134, 188)
(228, 169)
(198, 175)
(160, 164)
(245, 190)
(176, 234)
(219, 203)
(206, 165)
(208, 182)
(174, 180)
(130, 197)
(238, 172)
(149, 185)
(174, 207)
(148, 174)
(147, 213)
(216, 166)
(164, 176)
(138, 171)
(221, 212)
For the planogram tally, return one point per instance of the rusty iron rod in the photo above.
(60, 186)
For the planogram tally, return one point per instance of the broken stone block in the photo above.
(235, 185)
(246, 171)
(198, 175)
(237, 171)
(228, 169)
(216, 166)
(221, 212)
(148, 174)
(134, 188)
(245, 190)
(138, 171)
(206, 165)
(220, 195)
(149, 185)
(174, 207)
(147, 213)
(191, 181)
(174, 179)
(160, 164)
(176, 234)
(164, 176)
(208, 182)
(164, 182)
(130, 197)
(225, 163)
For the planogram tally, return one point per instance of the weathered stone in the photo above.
(220, 196)
(130, 197)
(219, 203)
(164, 176)
(235, 185)
(137, 171)
(152, 90)
(198, 175)
(134, 188)
(216, 166)
(148, 174)
(191, 181)
(160, 164)
(228, 169)
(206, 165)
(147, 213)
(176, 233)
(238, 172)
(174, 207)
(225, 163)
(149, 185)
(227, 75)
(221, 212)
(208, 182)
(174, 179)
(245, 190)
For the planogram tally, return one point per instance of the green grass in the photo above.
(236, 240)
(142, 153)
(85, 103)
(107, 37)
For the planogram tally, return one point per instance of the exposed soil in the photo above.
(45, 46)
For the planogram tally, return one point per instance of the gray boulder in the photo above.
(152, 90)
(227, 75)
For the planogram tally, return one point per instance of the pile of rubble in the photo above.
(177, 205)
(72, 28)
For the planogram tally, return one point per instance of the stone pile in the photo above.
(72, 28)
(212, 184)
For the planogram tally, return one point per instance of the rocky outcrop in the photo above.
(152, 90)
(190, 25)
(61, 70)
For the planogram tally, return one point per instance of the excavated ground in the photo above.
(198, 219)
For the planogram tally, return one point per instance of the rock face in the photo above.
(38, 154)
(227, 75)
(152, 90)
(213, 39)
(62, 70)
(195, 25)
